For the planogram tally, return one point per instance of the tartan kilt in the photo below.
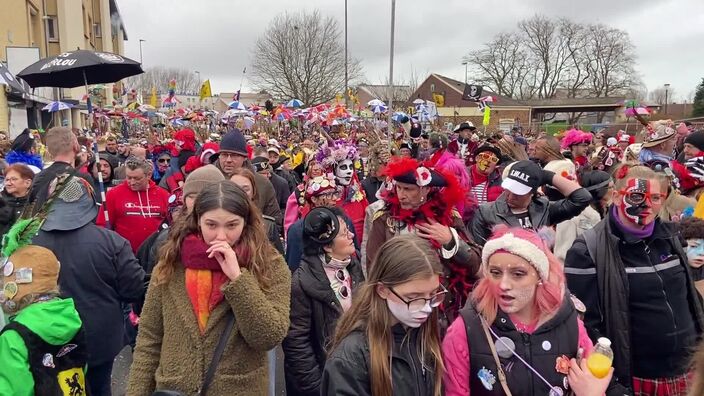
(675, 386)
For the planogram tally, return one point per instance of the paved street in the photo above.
(123, 361)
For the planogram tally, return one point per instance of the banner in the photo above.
(152, 99)
(205, 91)
(487, 115)
(439, 99)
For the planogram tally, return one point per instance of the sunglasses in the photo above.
(163, 160)
(638, 198)
(417, 304)
(344, 290)
(489, 157)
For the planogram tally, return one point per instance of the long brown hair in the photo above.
(253, 249)
(244, 172)
(401, 259)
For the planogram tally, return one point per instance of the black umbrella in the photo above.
(81, 67)
(16, 85)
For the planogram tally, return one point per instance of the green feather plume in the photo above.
(20, 234)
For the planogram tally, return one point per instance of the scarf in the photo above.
(638, 233)
(331, 262)
(647, 155)
(204, 278)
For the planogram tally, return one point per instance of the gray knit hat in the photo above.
(200, 178)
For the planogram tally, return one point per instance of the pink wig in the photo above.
(548, 296)
(575, 136)
(454, 165)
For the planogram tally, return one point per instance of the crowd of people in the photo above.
(381, 262)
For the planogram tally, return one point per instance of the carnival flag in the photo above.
(439, 99)
(236, 96)
(205, 91)
(153, 99)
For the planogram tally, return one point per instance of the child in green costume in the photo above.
(42, 347)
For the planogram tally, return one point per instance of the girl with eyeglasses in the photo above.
(388, 342)
(520, 322)
(321, 291)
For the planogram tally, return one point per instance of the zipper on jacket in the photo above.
(414, 369)
(662, 284)
(526, 344)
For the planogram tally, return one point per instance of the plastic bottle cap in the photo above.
(604, 341)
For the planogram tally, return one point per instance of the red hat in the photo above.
(192, 164)
(186, 139)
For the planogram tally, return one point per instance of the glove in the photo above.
(695, 166)
(546, 177)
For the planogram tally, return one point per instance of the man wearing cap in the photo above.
(98, 270)
(462, 147)
(263, 167)
(519, 206)
(233, 154)
(693, 145)
(123, 150)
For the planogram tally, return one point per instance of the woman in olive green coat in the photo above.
(217, 261)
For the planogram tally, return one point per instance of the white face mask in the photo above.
(344, 172)
(400, 311)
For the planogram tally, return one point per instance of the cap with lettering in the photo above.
(523, 178)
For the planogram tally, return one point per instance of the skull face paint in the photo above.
(635, 204)
(344, 172)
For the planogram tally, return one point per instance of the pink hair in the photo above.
(548, 297)
(456, 166)
(575, 136)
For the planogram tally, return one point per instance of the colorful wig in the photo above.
(575, 136)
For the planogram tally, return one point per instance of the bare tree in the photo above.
(301, 56)
(611, 61)
(548, 58)
(187, 82)
(658, 95)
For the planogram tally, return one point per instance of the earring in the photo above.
(422, 199)
(540, 283)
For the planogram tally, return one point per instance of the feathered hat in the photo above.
(330, 155)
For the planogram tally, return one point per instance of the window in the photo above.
(52, 28)
(432, 88)
(97, 30)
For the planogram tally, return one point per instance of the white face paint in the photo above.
(344, 172)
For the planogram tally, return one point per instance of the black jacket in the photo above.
(600, 268)
(99, 271)
(347, 368)
(371, 185)
(10, 211)
(281, 188)
(314, 314)
(541, 211)
(559, 336)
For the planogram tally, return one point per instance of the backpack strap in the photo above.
(217, 355)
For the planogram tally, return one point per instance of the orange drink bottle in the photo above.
(599, 361)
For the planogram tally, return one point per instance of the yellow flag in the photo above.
(205, 90)
(152, 99)
(487, 116)
(439, 99)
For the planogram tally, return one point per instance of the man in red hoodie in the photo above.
(137, 207)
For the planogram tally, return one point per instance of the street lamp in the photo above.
(466, 64)
(667, 87)
(140, 51)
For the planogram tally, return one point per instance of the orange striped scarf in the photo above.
(204, 290)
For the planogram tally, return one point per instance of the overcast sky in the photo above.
(216, 37)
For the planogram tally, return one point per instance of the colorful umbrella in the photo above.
(294, 103)
(57, 106)
(237, 105)
(379, 109)
(375, 102)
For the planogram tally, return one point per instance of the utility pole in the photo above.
(391, 67)
(667, 87)
(466, 64)
(346, 62)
